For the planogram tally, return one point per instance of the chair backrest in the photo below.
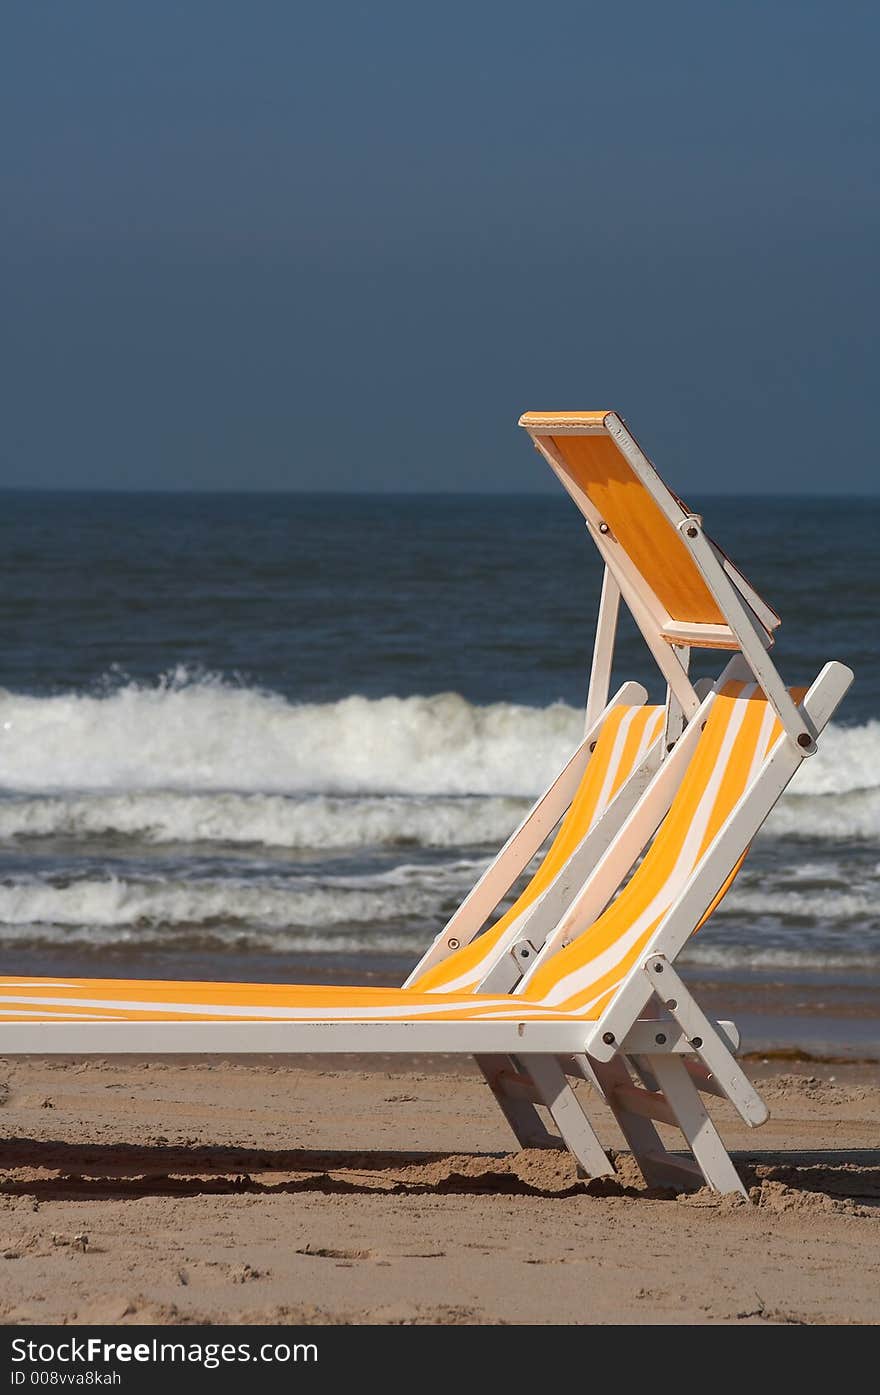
(740, 731)
(635, 520)
(626, 736)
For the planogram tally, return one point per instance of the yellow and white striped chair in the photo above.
(583, 1002)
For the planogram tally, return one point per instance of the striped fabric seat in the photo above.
(740, 732)
(151, 1000)
(623, 743)
(575, 983)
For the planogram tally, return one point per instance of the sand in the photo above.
(252, 1191)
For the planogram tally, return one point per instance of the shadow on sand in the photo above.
(47, 1170)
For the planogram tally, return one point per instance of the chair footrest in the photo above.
(644, 1102)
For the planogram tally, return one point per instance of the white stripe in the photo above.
(652, 731)
(763, 744)
(614, 760)
(647, 736)
(67, 1016)
(33, 983)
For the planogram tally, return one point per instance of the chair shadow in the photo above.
(52, 1170)
(119, 1170)
(840, 1174)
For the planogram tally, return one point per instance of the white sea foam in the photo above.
(739, 956)
(420, 894)
(840, 817)
(205, 760)
(208, 940)
(410, 942)
(323, 822)
(825, 906)
(416, 894)
(848, 760)
(210, 735)
(275, 902)
(203, 917)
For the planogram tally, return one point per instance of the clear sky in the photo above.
(342, 246)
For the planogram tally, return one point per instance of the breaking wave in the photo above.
(205, 760)
(322, 822)
(409, 893)
(210, 735)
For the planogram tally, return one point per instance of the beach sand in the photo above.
(186, 1191)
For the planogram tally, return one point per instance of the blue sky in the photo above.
(272, 246)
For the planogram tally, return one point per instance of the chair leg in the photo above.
(577, 1132)
(526, 1124)
(644, 1141)
(704, 1139)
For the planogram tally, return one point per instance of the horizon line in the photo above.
(122, 491)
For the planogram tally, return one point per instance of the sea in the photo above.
(278, 737)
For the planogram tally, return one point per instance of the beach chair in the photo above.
(600, 995)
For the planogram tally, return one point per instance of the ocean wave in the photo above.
(201, 759)
(822, 906)
(210, 735)
(415, 893)
(331, 822)
(323, 822)
(209, 940)
(847, 761)
(837, 817)
(408, 941)
(740, 956)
